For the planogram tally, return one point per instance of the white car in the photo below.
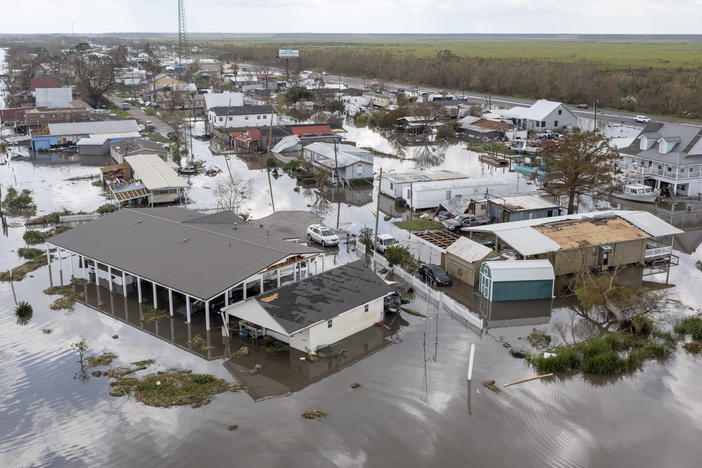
(385, 241)
(322, 235)
(642, 119)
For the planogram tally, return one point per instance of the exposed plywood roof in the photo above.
(572, 234)
(441, 238)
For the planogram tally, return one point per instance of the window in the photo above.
(391, 186)
(329, 324)
(543, 123)
(246, 117)
(560, 111)
(555, 123)
(365, 308)
(220, 119)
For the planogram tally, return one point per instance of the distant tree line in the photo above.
(670, 91)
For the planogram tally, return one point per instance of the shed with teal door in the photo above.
(516, 280)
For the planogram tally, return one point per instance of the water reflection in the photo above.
(286, 372)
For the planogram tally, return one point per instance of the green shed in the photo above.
(516, 280)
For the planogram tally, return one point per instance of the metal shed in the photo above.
(463, 260)
(517, 280)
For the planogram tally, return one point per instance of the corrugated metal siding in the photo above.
(521, 290)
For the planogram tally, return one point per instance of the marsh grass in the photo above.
(615, 353)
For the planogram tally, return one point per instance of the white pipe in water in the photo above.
(470, 361)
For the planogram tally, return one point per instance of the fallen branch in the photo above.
(529, 379)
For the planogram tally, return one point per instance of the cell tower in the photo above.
(182, 34)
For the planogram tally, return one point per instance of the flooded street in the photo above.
(414, 406)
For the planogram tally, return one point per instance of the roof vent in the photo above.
(236, 226)
(185, 239)
(139, 222)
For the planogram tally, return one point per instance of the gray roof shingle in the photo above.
(323, 296)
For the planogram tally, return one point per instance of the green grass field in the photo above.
(608, 53)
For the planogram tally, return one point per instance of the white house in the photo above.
(668, 156)
(430, 195)
(380, 100)
(158, 177)
(241, 116)
(317, 311)
(394, 183)
(353, 162)
(542, 115)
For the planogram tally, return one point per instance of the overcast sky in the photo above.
(357, 16)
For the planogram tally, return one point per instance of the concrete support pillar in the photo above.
(70, 261)
(170, 301)
(244, 289)
(85, 268)
(323, 258)
(58, 251)
(261, 289)
(155, 299)
(226, 298)
(95, 267)
(124, 284)
(277, 277)
(316, 262)
(109, 276)
(307, 269)
(138, 282)
(294, 272)
(207, 315)
(187, 307)
(48, 262)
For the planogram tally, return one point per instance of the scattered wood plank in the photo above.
(529, 379)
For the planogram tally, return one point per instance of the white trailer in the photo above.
(431, 194)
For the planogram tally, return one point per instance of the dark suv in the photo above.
(435, 273)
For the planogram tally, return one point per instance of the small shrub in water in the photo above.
(690, 326)
(23, 309)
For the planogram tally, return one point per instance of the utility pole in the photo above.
(377, 213)
(595, 112)
(268, 155)
(336, 162)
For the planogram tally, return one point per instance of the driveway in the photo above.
(139, 114)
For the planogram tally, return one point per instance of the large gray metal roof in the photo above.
(100, 126)
(200, 255)
(322, 297)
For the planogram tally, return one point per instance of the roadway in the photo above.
(608, 115)
(136, 112)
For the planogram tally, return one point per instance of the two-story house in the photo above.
(668, 156)
(241, 116)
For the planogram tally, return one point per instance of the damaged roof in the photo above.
(536, 236)
(322, 297)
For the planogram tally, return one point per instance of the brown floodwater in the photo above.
(414, 406)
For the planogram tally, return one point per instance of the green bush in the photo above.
(23, 309)
(107, 208)
(297, 93)
(400, 203)
(18, 201)
(292, 166)
(34, 237)
(614, 353)
(448, 130)
(690, 326)
(203, 379)
(400, 255)
(29, 253)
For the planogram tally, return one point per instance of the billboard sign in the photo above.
(288, 53)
